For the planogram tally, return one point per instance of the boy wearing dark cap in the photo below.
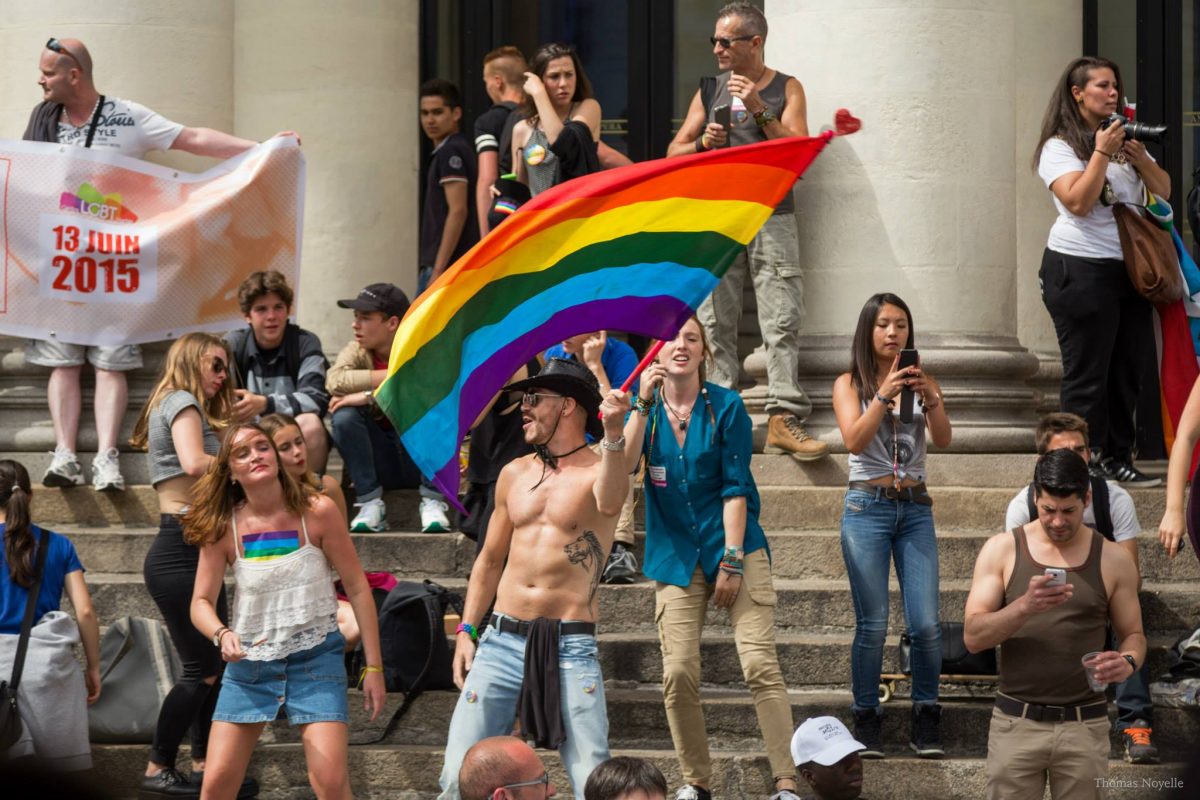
(371, 449)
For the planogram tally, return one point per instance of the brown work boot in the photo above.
(786, 434)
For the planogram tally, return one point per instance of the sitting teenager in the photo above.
(371, 450)
(51, 696)
(280, 366)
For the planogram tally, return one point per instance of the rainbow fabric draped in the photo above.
(635, 249)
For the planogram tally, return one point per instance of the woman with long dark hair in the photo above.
(888, 515)
(559, 105)
(281, 539)
(1103, 324)
(52, 698)
(704, 542)
(179, 427)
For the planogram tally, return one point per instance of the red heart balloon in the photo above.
(845, 122)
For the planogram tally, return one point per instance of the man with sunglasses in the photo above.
(545, 550)
(503, 768)
(73, 112)
(762, 103)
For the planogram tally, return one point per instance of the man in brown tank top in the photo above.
(763, 104)
(1048, 724)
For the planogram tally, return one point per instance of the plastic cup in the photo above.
(1089, 667)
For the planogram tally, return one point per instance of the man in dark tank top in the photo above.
(762, 104)
(1049, 724)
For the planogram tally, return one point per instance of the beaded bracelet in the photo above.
(642, 406)
(468, 629)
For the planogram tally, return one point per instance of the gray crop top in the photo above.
(876, 460)
(164, 461)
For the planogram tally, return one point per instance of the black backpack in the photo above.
(1100, 508)
(412, 636)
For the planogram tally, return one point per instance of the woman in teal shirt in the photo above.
(703, 541)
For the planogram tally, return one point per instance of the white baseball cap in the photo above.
(824, 740)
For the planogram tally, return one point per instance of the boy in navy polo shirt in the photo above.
(448, 228)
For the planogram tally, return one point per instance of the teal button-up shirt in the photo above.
(686, 487)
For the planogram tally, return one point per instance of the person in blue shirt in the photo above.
(611, 361)
(57, 724)
(704, 541)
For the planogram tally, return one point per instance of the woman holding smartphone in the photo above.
(888, 515)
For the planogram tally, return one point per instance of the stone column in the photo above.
(921, 202)
(175, 56)
(344, 76)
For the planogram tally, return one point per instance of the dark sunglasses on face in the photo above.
(531, 398)
(727, 43)
(219, 367)
(57, 46)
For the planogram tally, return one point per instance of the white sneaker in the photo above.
(106, 472)
(371, 517)
(434, 517)
(64, 470)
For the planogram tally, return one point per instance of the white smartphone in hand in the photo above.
(1058, 577)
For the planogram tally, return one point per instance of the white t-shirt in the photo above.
(1120, 508)
(1095, 234)
(125, 126)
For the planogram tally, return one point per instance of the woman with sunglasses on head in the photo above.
(888, 515)
(1104, 326)
(557, 138)
(282, 540)
(180, 428)
(704, 541)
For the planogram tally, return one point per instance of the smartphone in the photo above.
(722, 118)
(1058, 577)
(908, 358)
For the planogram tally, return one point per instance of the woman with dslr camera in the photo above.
(1103, 324)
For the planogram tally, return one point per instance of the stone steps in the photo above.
(783, 507)
(811, 604)
(409, 772)
(794, 554)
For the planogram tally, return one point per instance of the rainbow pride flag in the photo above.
(635, 249)
(270, 544)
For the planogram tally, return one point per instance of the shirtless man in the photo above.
(555, 513)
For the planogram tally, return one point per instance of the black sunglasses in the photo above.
(219, 367)
(531, 399)
(542, 781)
(57, 46)
(727, 42)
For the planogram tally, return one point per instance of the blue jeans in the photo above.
(374, 456)
(488, 704)
(874, 531)
(1132, 696)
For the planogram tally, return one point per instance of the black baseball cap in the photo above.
(385, 297)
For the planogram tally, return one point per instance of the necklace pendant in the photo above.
(683, 424)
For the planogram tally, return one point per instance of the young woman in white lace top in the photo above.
(283, 647)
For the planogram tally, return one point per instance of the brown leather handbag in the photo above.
(1150, 257)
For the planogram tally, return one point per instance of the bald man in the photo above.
(503, 768)
(73, 112)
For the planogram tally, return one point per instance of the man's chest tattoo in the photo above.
(587, 553)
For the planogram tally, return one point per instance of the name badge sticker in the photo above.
(658, 475)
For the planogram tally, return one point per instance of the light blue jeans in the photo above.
(875, 531)
(487, 705)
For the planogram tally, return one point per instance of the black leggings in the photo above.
(170, 573)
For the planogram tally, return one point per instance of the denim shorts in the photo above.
(310, 686)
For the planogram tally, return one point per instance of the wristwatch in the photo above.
(1131, 661)
(616, 446)
(216, 637)
(764, 117)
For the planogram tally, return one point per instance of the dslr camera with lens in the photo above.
(1138, 130)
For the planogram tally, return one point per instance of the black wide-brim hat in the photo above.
(569, 378)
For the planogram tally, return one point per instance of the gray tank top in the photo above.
(742, 127)
(894, 439)
(541, 165)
